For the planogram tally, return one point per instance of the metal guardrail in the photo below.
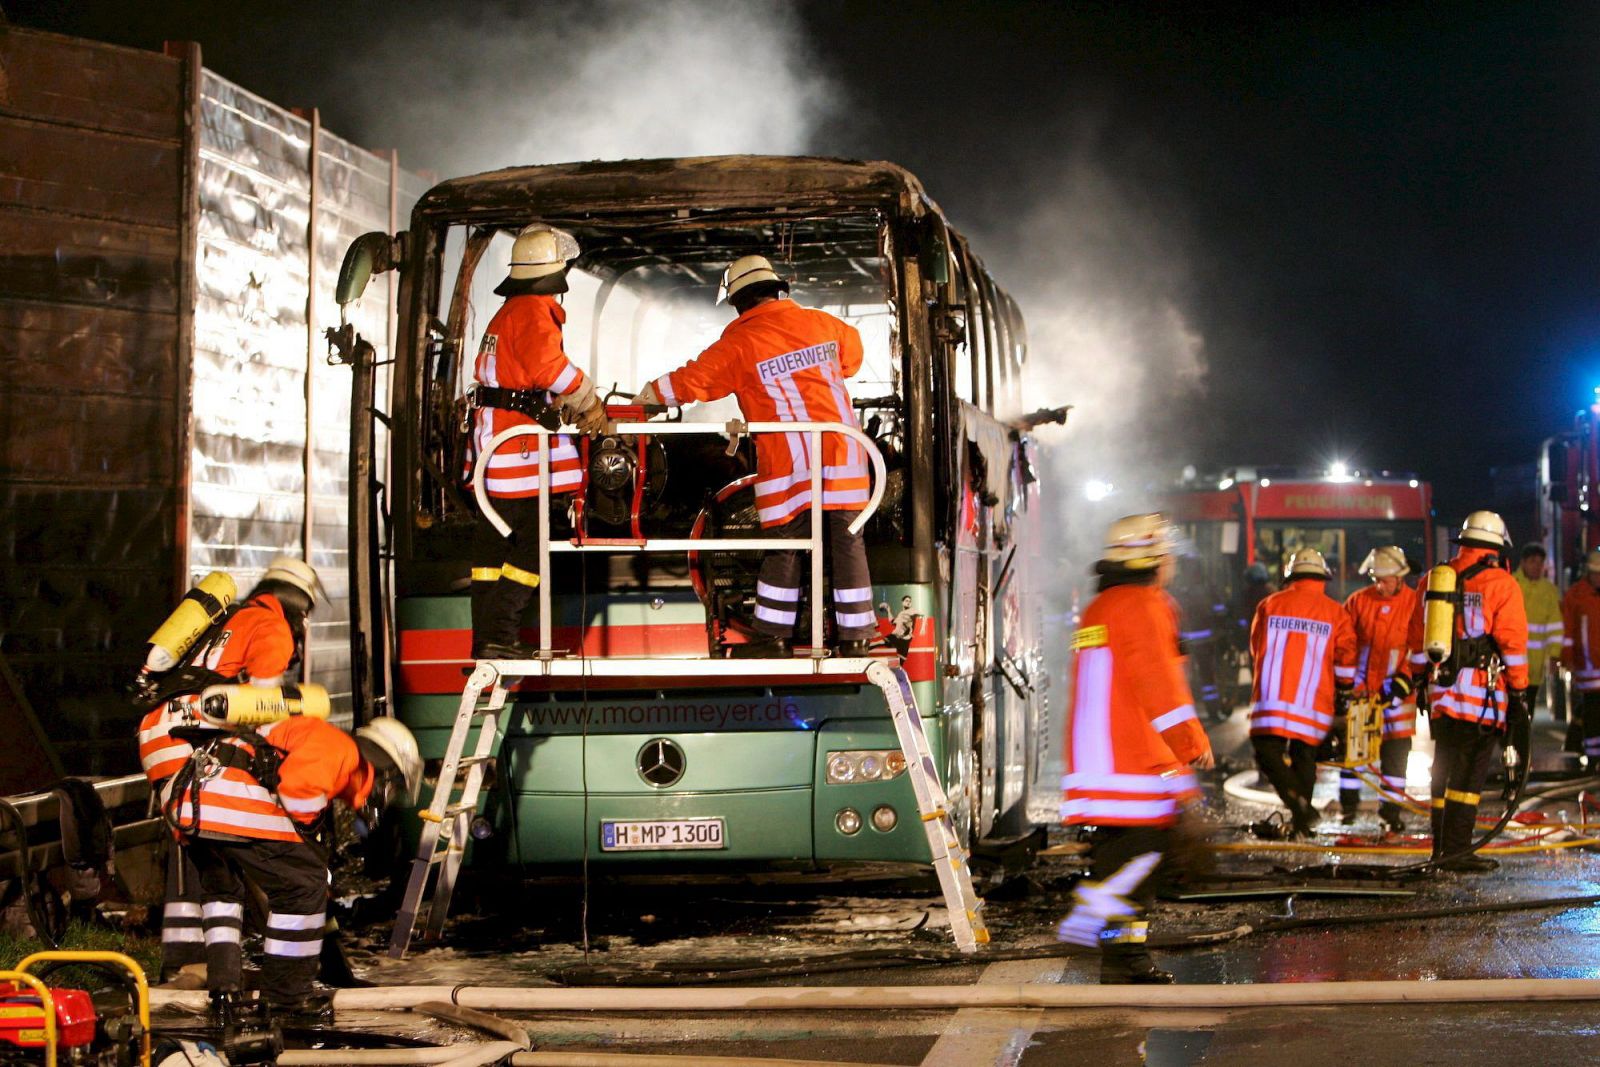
(39, 809)
(735, 428)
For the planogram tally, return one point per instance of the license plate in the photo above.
(655, 835)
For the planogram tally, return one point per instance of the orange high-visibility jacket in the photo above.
(1383, 626)
(1492, 606)
(320, 763)
(254, 645)
(1580, 642)
(1131, 730)
(1304, 645)
(521, 349)
(785, 363)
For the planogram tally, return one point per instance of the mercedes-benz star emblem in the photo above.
(660, 762)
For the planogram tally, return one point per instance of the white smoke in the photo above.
(1099, 267)
(506, 85)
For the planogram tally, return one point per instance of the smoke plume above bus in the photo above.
(510, 84)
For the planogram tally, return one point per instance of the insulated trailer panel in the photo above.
(91, 164)
(156, 225)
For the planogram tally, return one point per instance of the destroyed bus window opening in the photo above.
(694, 320)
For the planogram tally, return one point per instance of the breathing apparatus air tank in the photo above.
(1439, 614)
(257, 705)
(196, 613)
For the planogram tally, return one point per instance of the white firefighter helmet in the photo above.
(1306, 561)
(1484, 529)
(298, 573)
(1386, 562)
(744, 271)
(397, 742)
(540, 250)
(1592, 563)
(1139, 542)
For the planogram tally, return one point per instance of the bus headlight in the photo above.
(884, 818)
(848, 821)
(865, 765)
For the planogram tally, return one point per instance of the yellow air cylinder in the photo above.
(196, 612)
(257, 705)
(1439, 613)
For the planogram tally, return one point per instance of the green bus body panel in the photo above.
(756, 758)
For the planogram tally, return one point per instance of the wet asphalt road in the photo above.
(675, 933)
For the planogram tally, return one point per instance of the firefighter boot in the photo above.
(1389, 815)
(500, 617)
(1457, 821)
(1124, 960)
(853, 648)
(1436, 826)
(762, 647)
(482, 585)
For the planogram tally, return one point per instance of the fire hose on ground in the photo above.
(887, 998)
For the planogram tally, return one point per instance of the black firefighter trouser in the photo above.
(182, 936)
(294, 877)
(505, 570)
(1462, 752)
(785, 573)
(1123, 941)
(1291, 767)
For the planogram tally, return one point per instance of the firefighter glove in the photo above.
(648, 396)
(1395, 687)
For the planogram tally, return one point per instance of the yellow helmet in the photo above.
(1386, 562)
(392, 738)
(1484, 529)
(1307, 561)
(540, 250)
(297, 573)
(1139, 542)
(746, 271)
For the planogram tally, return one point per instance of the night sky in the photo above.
(1381, 222)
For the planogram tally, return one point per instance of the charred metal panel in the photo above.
(785, 183)
(90, 163)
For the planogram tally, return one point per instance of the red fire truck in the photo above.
(1262, 515)
(1569, 493)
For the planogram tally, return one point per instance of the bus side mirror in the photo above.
(369, 254)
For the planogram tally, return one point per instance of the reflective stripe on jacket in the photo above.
(1131, 731)
(1542, 603)
(1492, 607)
(1580, 611)
(1382, 625)
(255, 645)
(785, 363)
(1303, 644)
(521, 349)
(320, 763)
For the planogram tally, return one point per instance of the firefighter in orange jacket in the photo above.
(1580, 651)
(257, 643)
(252, 810)
(1304, 649)
(1479, 692)
(787, 363)
(1131, 738)
(521, 372)
(1382, 616)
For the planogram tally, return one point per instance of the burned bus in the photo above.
(790, 769)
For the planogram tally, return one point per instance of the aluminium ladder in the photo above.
(446, 820)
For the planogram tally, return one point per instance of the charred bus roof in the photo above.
(765, 185)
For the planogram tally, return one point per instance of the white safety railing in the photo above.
(736, 429)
